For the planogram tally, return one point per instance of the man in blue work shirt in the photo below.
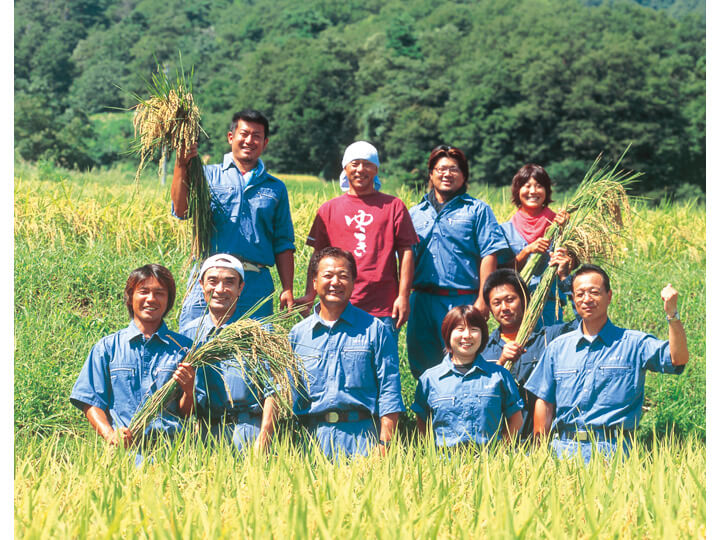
(124, 369)
(593, 378)
(459, 243)
(507, 294)
(250, 213)
(229, 405)
(351, 362)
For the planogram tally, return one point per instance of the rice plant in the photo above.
(170, 119)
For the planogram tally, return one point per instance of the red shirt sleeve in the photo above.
(405, 235)
(318, 235)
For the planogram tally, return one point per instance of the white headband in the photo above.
(222, 260)
(359, 150)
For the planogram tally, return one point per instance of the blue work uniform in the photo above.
(597, 387)
(549, 316)
(124, 369)
(524, 366)
(353, 376)
(252, 222)
(447, 261)
(228, 404)
(469, 407)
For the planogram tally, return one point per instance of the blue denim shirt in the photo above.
(352, 365)
(599, 384)
(453, 242)
(469, 407)
(124, 369)
(251, 220)
(223, 387)
(521, 370)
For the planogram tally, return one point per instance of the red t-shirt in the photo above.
(372, 227)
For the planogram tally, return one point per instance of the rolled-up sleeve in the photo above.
(420, 405)
(387, 368)
(542, 381)
(283, 231)
(656, 356)
(92, 386)
(512, 402)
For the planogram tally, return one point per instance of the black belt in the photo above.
(234, 418)
(597, 433)
(335, 417)
(446, 292)
(249, 266)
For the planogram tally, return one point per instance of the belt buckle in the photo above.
(582, 436)
(332, 417)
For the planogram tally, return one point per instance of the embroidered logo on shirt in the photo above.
(362, 219)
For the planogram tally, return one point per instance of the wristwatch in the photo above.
(674, 317)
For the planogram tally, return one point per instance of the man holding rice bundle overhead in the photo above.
(374, 227)
(507, 295)
(460, 240)
(593, 378)
(250, 215)
(229, 406)
(351, 362)
(124, 369)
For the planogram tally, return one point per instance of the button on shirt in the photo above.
(469, 407)
(599, 384)
(453, 241)
(351, 365)
(223, 387)
(251, 218)
(124, 369)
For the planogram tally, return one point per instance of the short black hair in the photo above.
(139, 275)
(336, 253)
(505, 276)
(588, 268)
(250, 115)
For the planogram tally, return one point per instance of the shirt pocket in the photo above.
(313, 376)
(225, 202)
(263, 202)
(461, 227)
(357, 368)
(443, 409)
(614, 383)
(125, 383)
(566, 381)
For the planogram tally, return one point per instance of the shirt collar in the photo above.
(349, 315)
(229, 162)
(161, 333)
(607, 334)
(479, 364)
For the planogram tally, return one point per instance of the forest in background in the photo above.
(508, 81)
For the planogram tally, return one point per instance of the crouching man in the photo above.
(351, 362)
(229, 405)
(593, 378)
(124, 369)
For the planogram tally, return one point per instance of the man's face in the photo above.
(248, 141)
(591, 298)
(221, 288)
(507, 307)
(361, 174)
(446, 176)
(333, 282)
(149, 302)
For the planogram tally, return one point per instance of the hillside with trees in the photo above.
(509, 82)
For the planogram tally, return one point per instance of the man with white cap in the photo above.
(374, 227)
(228, 405)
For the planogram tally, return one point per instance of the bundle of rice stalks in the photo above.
(169, 119)
(263, 355)
(596, 212)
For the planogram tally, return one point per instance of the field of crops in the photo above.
(78, 235)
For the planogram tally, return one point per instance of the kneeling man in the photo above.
(229, 405)
(593, 378)
(351, 361)
(124, 369)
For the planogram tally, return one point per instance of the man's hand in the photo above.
(562, 259)
(121, 435)
(183, 156)
(670, 297)
(511, 352)
(184, 375)
(482, 307)
(401, 310)
(262, 443)
(306, 301)
(286, 299)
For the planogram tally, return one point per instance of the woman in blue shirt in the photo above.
(467, 398)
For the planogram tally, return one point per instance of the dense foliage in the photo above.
(508, 81)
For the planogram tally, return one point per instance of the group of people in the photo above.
(443, 267)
